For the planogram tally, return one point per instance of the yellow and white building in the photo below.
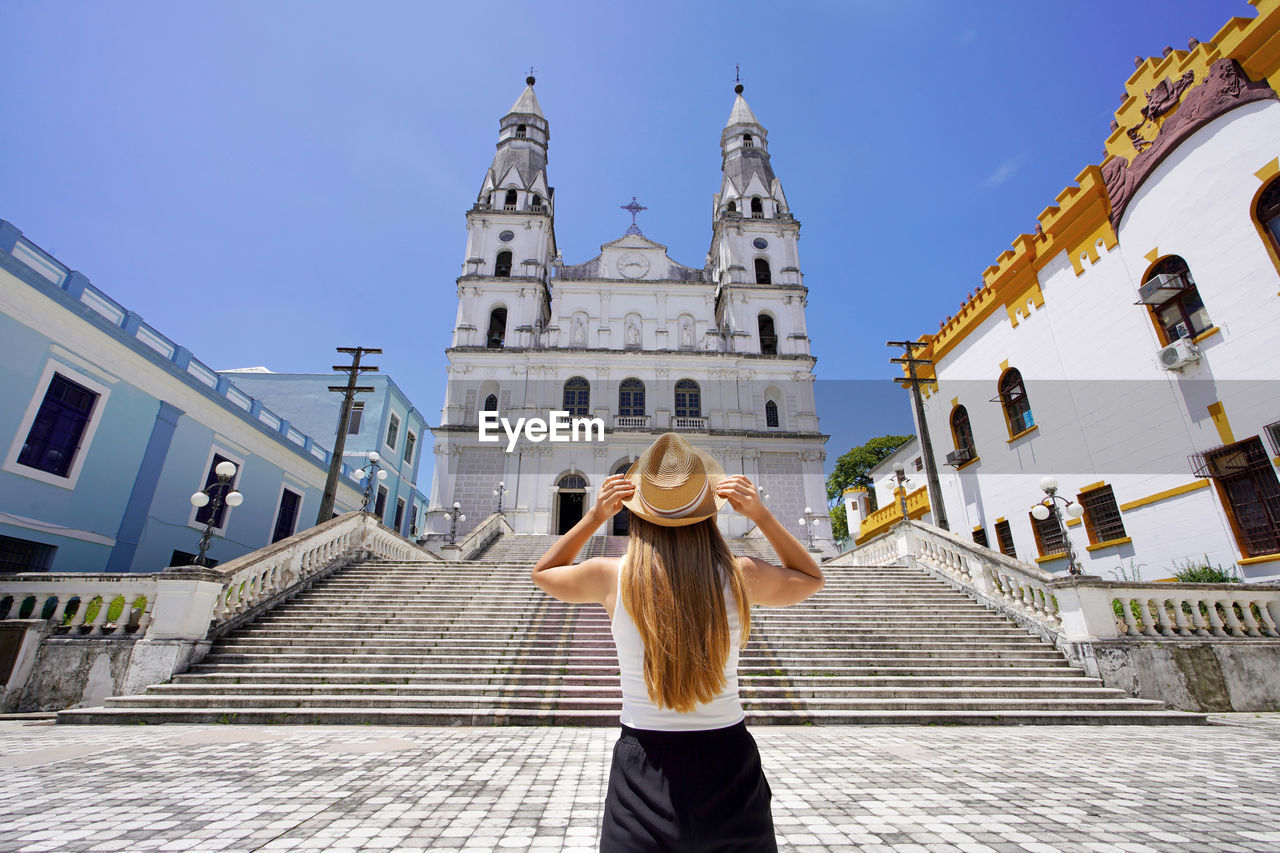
(1130, 345)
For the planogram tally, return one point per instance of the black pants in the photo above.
(681, 792)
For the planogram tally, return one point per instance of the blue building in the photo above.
(107, 427)
(384, 421)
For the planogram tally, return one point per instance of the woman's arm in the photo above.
(591, 580)
(776, 586)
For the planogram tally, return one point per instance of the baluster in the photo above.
(1199, 619)
(1180, 619)
(1126, 610)
(1162, 616)
(60, 610)
(1234, 628)
(99, 619)
(1215, 620)
(1268, 624)
(1250, 624)
(145, 618)
(1148, 620)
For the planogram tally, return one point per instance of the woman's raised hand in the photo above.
(613, 491)
(742, 496)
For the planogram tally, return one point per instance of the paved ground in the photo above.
(82, 788)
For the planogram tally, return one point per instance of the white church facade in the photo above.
(631, 341)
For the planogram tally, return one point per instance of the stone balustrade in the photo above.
(1196, 646)
(171, 616)
(479, 538)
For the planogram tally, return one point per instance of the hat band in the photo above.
(678, 512)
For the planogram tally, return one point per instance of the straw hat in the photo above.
(675, 483)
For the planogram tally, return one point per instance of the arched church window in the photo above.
(491, 403)
(757, 208)
(962, 433)
(497, 328)
(763, 275)
(536, 203)
(631, 398)
(510, 203)
(577, 396)
(1013, 399)
(572, 481)
(1268, 213)
(770, 413)
(688, 399)
(502, 267)
(733, 207)
(747, 141)
(521, 131)
(768, 337)
(1170, 293)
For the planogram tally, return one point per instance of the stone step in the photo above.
(534, 645)
(759, 634)
(610, 689)
(465, 700)
(850, 676)
(230, 713)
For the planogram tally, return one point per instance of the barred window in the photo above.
(770, 413)
(1101, 515)
(1049, 539)
(980, 536)
(1005, 537)
(1013, 398)
(577, 396)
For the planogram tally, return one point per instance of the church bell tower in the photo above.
(503, 294)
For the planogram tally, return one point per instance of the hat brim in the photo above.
(709, 506)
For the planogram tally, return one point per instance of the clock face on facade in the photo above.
(633, 266)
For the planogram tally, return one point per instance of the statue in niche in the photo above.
(633, 334)
(579, 331)
(686, 332)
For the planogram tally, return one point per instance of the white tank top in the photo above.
(639, 711)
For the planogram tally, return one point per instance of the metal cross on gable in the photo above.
(634, 208)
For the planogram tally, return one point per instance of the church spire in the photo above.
(518, 174)
(749, 181)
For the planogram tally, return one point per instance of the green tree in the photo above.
(854, 469)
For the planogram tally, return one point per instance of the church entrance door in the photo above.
(570, 500)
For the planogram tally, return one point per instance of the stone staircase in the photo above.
(476, 643)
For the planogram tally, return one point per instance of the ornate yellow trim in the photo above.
(1265, 558)
(1073, 522)
(1124, 540)
(967, 464)
(1152, 255)
(1207, 333)
(1023, 303)
(1051, 558)
(1019, 435)
(1092, 486)
(1004, 365)
(1268, 171)
(1194, 485)
(1219, 415)
(887, 516)
(1081, 216)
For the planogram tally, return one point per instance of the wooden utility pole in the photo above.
(926, 446)
(349, 392)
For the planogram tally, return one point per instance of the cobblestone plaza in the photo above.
(240, 788)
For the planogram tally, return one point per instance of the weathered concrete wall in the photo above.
(71, 672)
(1189, 674)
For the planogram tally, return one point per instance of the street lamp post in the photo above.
(900, 474)
(370, 475)
(453, 518)
(1048, 507)
(499, 493)
(810, 523)
(218, 494)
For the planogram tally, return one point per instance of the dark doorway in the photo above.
(570, 510)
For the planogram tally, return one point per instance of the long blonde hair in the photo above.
(673, 587)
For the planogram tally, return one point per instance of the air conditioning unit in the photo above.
(1178, 354)
(956, 458)
(1162, 288)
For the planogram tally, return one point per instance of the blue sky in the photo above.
(264, 182)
